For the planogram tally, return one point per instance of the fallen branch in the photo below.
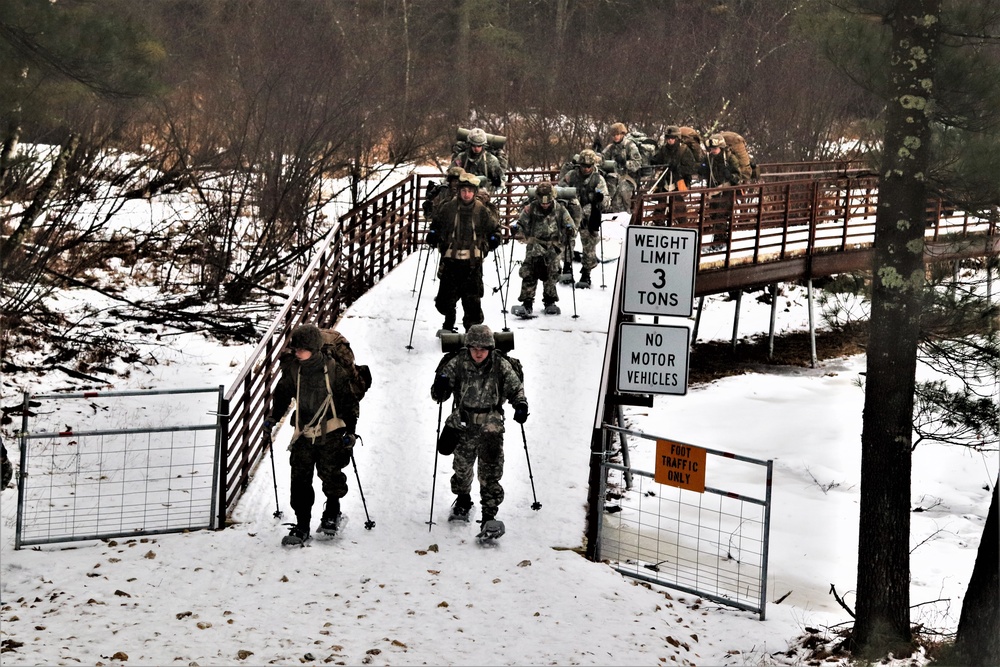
(840, 601)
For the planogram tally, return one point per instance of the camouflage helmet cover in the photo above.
(306, 337)
(479, 335)
(673, 132)
(467, 179)
(454, 172)
(619, 128)
(544, 193)
(477, 136)
(587, 158)
(716, 141)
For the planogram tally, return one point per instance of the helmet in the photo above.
(588, 158)
(479, 335)
(673, 132)
(716, 141)
(306, 337)
(454, 172)
(468, 179)
(477, 137)
(619, 128)
(544, 193)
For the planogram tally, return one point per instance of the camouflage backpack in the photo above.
(338, 348)
(692, 140)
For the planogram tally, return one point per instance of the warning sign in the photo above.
(680, 465)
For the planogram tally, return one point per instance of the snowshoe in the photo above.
(566, 277)
(296, 537)
(462, 509)
(446, 330)
(330, 527)
(552, 309)
(491, 530)
(584, 282)
(523, 311)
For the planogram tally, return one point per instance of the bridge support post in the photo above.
(774, 316)
(812, 325)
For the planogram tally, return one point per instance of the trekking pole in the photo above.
(409, 346)
(274, 474)
(569, 257)
(510, 268)
(503, 299)
(602, 260)
(369, 524)
(430, 520)
(420, 250)
(535, 505)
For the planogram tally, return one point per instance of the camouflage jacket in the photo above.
(486, 166)
(626, 155)
(545, 231)
(720, 169)
(303, 382)
(483, 388)
(586, 186)
(464, 229)
(679, 162)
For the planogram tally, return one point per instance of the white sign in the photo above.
(653, 358)
(660, 265)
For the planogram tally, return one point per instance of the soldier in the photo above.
(720, 168)
(479, 161)
(547, 228)
(444, 194)
(678, 166)
(481, 380)
(463, 231)
(591, 192)
(628, 162)
(325, 418)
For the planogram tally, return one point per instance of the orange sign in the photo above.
(680, 465)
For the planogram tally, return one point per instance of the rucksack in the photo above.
(738, 147)
(692, 140)
(339, 349)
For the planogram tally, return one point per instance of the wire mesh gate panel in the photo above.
(713, 544)
(96, 465)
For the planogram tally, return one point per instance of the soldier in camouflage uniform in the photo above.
(464, 232)
(445, 194)
(628, 162)
(720, 168)
(479, 161)
(679, 167)
(547, 227)
(325, 419)
(591, 193)
(481, 380)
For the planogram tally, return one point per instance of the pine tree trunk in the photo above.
(978, 641)
(882, 614)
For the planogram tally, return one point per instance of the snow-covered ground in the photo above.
(405, 592)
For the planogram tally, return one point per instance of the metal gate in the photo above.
(712, 544)
(141, 468)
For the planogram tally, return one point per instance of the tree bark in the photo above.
(882, 623)
(978, 641)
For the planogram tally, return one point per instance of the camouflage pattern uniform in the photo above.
(586, 187)
(463, 232)
(329, 452)
(678, 161)
(485, 165)
(629, 161)
(477, 411)
(720, 169)
(548, 234)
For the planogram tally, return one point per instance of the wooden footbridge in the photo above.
(798, 222)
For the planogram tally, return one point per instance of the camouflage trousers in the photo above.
(328, 456)
(541, 267)
(589, 241)
(475, 443)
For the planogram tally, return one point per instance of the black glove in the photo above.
(495, 180)
(594, 224)
(596, 199)
(521, 413)
(428, 205)
(432, 238)
(494, 241)
(441, 389)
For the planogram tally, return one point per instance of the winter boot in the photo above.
(524, 310)
(552, 309)
(491, 530)
(584, 282)
(447, 327)
(330, 522)
(566, 277)
(461, 508)
(297, 536)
